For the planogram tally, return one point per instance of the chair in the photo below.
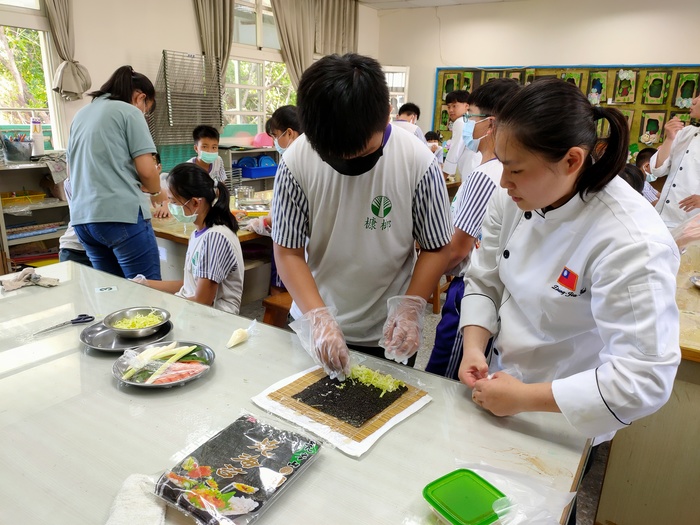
(439, 289)
(277, 309)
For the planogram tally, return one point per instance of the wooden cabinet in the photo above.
(31, 222)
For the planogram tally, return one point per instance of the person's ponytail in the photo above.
(122, 84)
(219, 211)
(613, 157)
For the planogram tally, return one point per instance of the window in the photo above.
(28, 4)
(22, 79)
(254, 24)
(25, 69)
(257, 82)
(254, 89)
(397, 80)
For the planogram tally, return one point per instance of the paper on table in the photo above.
(344, 443)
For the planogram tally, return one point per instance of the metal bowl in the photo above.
(128, 313)
(695, 280)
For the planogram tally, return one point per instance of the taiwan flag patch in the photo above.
(568, 279)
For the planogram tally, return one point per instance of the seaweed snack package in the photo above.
(238, 473)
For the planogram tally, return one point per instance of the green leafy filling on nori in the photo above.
(350, 401)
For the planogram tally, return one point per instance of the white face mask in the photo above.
(650, 177)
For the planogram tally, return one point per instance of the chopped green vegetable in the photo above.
(370, 377)
(138, 321)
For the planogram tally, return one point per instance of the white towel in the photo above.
(136, 504)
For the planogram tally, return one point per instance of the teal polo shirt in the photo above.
(105, 136)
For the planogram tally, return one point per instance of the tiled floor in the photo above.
(589, 493)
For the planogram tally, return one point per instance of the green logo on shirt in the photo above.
(381, 206)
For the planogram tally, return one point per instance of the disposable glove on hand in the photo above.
(323, 340)
(259, 226)
(139, 279)
(403, 329)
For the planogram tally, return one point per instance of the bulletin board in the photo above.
(647, 95)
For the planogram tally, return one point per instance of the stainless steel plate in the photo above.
(101, 337)
(120, 365)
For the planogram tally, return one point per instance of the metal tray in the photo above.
(101, 337)
(120, 365)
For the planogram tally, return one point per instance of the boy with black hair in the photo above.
(458, 158)
(434, 141)
(206, 144)
(407, 117)
(468, 211)
(643, 163)
(350, 200)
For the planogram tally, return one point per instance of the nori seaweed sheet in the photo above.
(355, 403)
(283, 457)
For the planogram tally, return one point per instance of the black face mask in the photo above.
(358, 165)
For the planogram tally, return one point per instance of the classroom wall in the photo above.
(368, 31)
(535, 32)
(133, 32)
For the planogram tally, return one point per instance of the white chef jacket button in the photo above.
(680, 168)
(687, 151)
(673, 185)
(528, 214)
(506, 254)
(667, 201)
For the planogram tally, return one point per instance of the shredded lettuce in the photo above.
(138, 321)
(367, 376)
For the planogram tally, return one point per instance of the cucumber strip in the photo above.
(186, 350)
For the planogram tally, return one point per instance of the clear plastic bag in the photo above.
(234, 477)
(243, 334)
(528, 500)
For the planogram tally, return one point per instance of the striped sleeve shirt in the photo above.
(216, 258)
(432, 227)
(650, 193)
(472, 208)
(290, 210)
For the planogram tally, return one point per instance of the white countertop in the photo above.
(70, 435)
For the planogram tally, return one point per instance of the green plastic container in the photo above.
(462, 497)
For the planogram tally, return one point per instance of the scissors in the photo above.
(81, 319)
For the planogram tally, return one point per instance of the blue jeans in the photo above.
(121, 249)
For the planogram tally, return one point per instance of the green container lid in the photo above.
(463, 497)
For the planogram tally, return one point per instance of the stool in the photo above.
(439, 289)
(277, 309)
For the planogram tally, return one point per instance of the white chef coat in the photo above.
(682, 167)
(583, 297)
(459, 156)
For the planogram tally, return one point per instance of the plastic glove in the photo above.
(259, 226)
(323, 340)
(403, 329)
(139, 279)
